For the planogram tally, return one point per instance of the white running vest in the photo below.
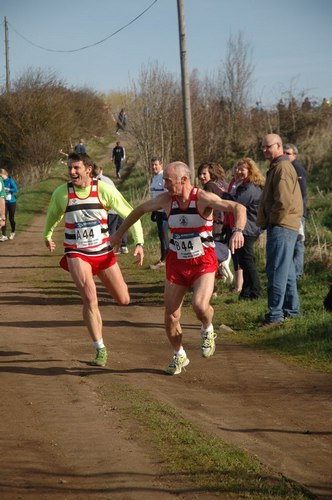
(191, 232)
(86, 229)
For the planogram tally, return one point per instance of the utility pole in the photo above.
(186, 91)
(7, 58)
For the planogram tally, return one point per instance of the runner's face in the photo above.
(172, 184)
(79, 174)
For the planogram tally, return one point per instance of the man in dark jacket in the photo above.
(292, 152)
(280, 211)
(118, 155)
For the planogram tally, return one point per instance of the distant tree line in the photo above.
(226, 125)
(39, 117)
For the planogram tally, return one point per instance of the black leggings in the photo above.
(10, 212)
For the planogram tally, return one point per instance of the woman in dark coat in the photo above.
(248, 192)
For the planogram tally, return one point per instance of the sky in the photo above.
(290, 41)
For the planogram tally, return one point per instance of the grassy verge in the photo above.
(191, 457)
(306, 340)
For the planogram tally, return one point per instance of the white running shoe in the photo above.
(12, 236)
(178, 362)
(208, 345)
(3, 238)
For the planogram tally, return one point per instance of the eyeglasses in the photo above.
(268, 146)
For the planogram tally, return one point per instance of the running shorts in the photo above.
(186, 272)
(97, 263)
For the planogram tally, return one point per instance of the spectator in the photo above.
(113, 219)
(258, 106)
(11, 189)
(211, 176)
(157, 186)
(121, 122)
(279, 212)
(248, 193)
(228, 225)
(292, 152)
(2, 205)
(118, 156)
(220, 174)
(306, 104)
(80, 147)
(328, 300)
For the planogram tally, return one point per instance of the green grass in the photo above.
(191, 456)
(33, 200)
(306, 340)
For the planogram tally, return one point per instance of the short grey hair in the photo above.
(292, 147)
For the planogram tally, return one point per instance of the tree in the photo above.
(154, 115)
(236, 74)
(39, 117)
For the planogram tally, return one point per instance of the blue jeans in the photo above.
(282, 297)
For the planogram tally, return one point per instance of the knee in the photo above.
(200, 308)
(171, 318)
(124, 299)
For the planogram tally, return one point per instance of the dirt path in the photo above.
(60, 440)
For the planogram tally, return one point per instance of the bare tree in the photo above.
(237, 73)
(154, 114)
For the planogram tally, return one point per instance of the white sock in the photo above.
(209, 329)
(99, 344)
(180, 352)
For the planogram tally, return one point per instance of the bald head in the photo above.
(272, 146)
(270, 138)
(178, 168)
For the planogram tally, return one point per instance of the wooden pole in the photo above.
(186, 91)
(7, 57)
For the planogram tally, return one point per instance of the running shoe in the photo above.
(178, 362)
(124, 249)
(3, 238)
(101, 357)
(12, 236)
(208, 345)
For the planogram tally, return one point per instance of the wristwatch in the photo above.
(237, 230)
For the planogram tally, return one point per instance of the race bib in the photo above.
(188, 246)
(88, 234)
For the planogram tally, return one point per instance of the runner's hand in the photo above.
(139, 253)
(236, 241)
(50, 245)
